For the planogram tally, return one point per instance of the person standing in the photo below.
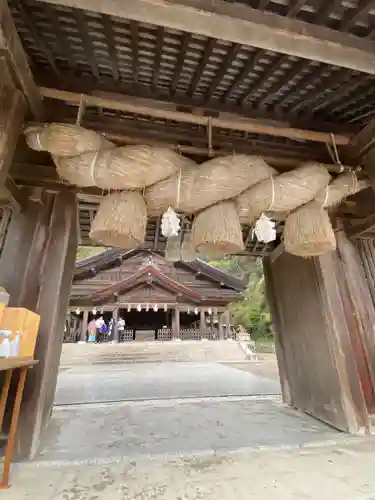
(91, 330)
(100, 325)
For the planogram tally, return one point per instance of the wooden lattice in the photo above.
(164, 334)
(126, 335)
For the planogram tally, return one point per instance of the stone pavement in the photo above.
(132, 429)
(165, 431)
(311, 473)
(158, 381)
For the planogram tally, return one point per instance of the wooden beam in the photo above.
(244, 25)
(11, 120)
(232, 123)
(277, 252)
(13, 107)
(10, 44)
(108, 87)
(15, 196)
(24, 10)
(360, 228)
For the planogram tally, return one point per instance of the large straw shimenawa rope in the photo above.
(308, 232)
(340, 188)
(121, 220)
(223, 191)
(217, 231)
(284, 192)
(198, 187)
(84, 158)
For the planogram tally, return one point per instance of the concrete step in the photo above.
(151, 352)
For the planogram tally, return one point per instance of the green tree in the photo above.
(252, 310)
(86, 252)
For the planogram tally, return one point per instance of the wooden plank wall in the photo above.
(36, 267)
(317, 366)
(366, 251)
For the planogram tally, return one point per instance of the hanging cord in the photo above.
(81, 110)
(209, 135)
(355, 182)
(178, 180)
(273, 195)
(335, 154)
(92, 167)
(178, 188)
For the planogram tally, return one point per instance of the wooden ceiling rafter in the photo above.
(322, 15)
(108, 30)
(264, 81)
(294, 7)
(25, 16)
(355, 106)
(344, 90)
(134, 46)
(242, 24)
(158, 56)
(226, 64)
(350, 19)
(223, 85)
(185, 137)
(210, 44)
(227, 123)
(318, 92)
(180, 62)
(243, 74)
(81, 23)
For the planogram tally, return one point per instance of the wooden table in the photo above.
(7, 365)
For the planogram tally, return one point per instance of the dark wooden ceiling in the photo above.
(86, 51)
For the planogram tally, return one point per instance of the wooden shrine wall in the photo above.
(318, 366)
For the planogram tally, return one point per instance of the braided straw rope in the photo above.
(121, 220)
(217, 231)
(85, 158)
(201, 186)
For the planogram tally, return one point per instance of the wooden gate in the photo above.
(318, 370)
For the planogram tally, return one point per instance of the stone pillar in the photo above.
(202, 324)
(220, 326)
(36, 267)
(115, 331)
(83, 336)
(176, 324)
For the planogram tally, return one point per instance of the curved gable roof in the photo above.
(148, 274)
(113, 257)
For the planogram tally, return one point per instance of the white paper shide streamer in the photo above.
(170, 223)
(265, 229)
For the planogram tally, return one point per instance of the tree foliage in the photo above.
(86, 252)
(252, 310)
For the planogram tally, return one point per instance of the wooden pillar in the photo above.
(221, 327)
(176, 324)
(202, 324)
(228, 320)
(36, 267)
(115, 331)
(316, 360)
(84, 324)
(360, 312)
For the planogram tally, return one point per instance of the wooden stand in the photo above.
(7, 365)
